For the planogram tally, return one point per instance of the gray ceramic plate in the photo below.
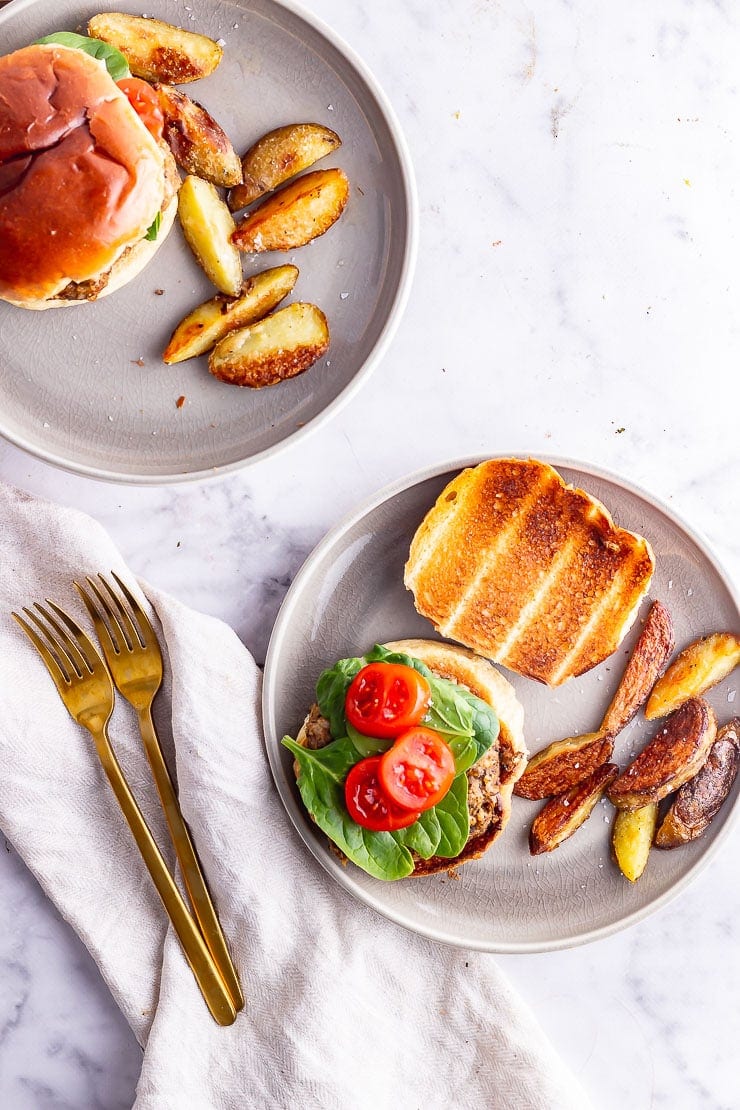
(71, 387)
(350, 594)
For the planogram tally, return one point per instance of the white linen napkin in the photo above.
(344, 1008)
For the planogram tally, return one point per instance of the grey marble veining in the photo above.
(575, 295)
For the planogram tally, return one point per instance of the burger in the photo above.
(88, 192)
(409, 756)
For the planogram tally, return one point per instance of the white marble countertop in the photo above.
(577, 171)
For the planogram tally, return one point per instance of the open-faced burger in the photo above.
(409, 756)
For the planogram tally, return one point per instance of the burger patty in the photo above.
(90, 290)
(484, 777)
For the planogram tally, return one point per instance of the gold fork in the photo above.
(85, 687)
(132, 652)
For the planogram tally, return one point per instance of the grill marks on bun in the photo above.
(81, 178)
(526, 570)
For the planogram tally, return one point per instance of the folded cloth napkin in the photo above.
(344, 1008)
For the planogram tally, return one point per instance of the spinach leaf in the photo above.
(321, 785)
(454, 819)
(380, 654)
(423, 836)
(449, 713)
(367, 745)
(485, 721)
(115, 62)
(153, 231)
(331, 690)
(465, 751)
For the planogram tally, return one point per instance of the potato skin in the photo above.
(562, 816)
(647, 662)
(278, 347)
(155, 50)
(699, 800)
(278, 156)
(700, 666)
(673, 756)
(210, 322)
(563, 764)
(200, 145)
(632, 837)
(296, 214)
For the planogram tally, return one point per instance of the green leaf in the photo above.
(380, 654)
(321, 784)
(485, 721)
(367, 745)
(423, 836)
(465, 751)
(153, 231)
(115, 62)
(449, 713)
(331, 690)
(454, 819)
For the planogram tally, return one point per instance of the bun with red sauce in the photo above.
(82, 181)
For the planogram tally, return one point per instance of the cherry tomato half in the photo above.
(385, 698)
(418, 770)
(367, 802)
(143, 99)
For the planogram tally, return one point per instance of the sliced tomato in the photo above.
(418, 770)
(367, 802)
(144, 101)
(385, 698)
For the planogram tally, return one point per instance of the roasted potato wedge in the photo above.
(647, 662)
(278, 347)
(278, 156)
(208, 225)
(563, 764)
(296, 214)
(699, 799)
(699, 667)
(157, 51)
(560, 817)
(672, 757)
(632, 837)
(206, 325)
(199, 144)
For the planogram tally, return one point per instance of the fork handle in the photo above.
(191, 871)
(207, 975)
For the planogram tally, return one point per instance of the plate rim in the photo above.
(341, 875)
(378, 351)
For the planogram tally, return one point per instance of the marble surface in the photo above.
(575, 295)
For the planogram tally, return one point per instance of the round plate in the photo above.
(85, 388)
(350, 595)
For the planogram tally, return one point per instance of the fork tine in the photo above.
(71, 648)
(57, 648)
(139, 614)
(53, 665)
(133, 632)
(89, 652)
(105, 634)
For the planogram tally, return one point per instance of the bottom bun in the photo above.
(492, 779)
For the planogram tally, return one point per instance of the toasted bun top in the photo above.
(527, 570)
(81, 178)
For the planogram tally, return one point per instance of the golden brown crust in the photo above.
(526, 570)
(563, 764)
(699, 800)
(647, 662)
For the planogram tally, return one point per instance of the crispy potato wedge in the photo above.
(278, 156)
(699, 667)
(208, 225)
(560, 817)
(157, 51)
(647, 662)
(672, 757)
(563, 764)
(632, 837)
(199, 144)
(272, 350)
(699, 799)
(206, 325)
(296, 214)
